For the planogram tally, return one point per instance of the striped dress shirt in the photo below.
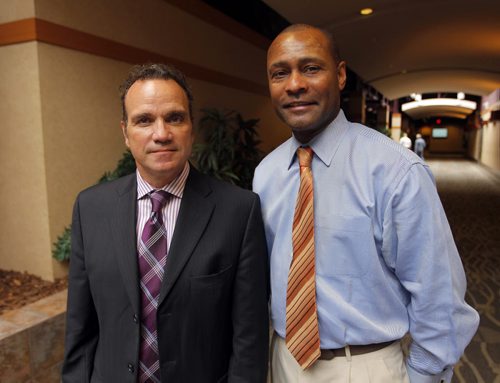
(171, 209)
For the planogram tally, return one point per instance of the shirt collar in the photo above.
(176, 187)
(325, 144)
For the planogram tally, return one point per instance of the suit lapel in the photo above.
(123, 230)
(194, 215)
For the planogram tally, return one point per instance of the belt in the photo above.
(354, 349)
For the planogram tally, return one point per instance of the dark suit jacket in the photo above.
(212, 314)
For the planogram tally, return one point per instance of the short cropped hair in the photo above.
(334, 48)
(152, 71)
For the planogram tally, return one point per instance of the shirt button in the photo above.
(136, 318)
(131, 368)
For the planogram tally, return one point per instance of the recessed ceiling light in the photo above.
(366, 11)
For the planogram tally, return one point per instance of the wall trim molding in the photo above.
(35, 29)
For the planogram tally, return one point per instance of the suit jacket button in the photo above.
(131, 368)
(136, 318)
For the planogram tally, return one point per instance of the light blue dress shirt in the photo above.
(386, 262)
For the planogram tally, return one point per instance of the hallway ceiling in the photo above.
(410, 46)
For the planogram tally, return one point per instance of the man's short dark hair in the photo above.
(334, 48)
(154, 72)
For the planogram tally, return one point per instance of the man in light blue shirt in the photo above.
(386, 262)
(420, 146)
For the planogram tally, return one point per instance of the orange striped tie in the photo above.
(302, 334)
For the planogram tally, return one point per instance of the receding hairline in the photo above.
(154, 71)
(332, 43)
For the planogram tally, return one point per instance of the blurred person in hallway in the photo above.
(405, 141)
(419, 146)
(168, 270)
(356, 261)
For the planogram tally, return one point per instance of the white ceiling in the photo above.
(411, 46)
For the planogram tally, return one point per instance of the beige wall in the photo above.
(24, 227)
(64, 105)
(11, 10)
(474, 144)
(490, 154)
(80, 117)
(160, 27)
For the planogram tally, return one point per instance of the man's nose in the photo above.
(296, 83)
(161, 131)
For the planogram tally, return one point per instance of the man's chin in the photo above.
(298, 122)
(300, 126)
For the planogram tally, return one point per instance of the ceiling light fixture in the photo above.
(439, 107)
(452, 102)
(460, 95)
(366, 11)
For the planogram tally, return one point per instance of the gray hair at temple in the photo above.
(153, 71)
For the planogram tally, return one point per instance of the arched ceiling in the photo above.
(411, 46)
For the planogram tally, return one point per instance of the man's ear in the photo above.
(123, 125)
(341, 74)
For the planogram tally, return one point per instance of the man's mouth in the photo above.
(298, 104)
(162, 151)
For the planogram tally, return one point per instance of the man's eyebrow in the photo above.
(137, 116)
(301, 61)
(278, 64)
(176, 111)
(305, 60)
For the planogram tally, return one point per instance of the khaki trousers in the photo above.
(383, 366)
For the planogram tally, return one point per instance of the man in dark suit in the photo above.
(168, 271)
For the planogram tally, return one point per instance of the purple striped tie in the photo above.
(152, 257)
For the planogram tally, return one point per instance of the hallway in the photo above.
(471, 197)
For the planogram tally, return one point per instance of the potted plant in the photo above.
(227, 147)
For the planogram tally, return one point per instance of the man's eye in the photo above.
(311, 69)
(175, 118)
(278, 74)
(142, 121)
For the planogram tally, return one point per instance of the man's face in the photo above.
(159, 130)
(304, 81)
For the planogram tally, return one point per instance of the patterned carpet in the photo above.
(471, 197)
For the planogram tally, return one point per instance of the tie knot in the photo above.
(305, 155)
(158, 199)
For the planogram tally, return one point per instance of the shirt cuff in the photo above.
(417, 377)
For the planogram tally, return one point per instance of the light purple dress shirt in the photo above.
(170, 210)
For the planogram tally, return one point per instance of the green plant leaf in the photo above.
(231, 150)
(62, 247)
